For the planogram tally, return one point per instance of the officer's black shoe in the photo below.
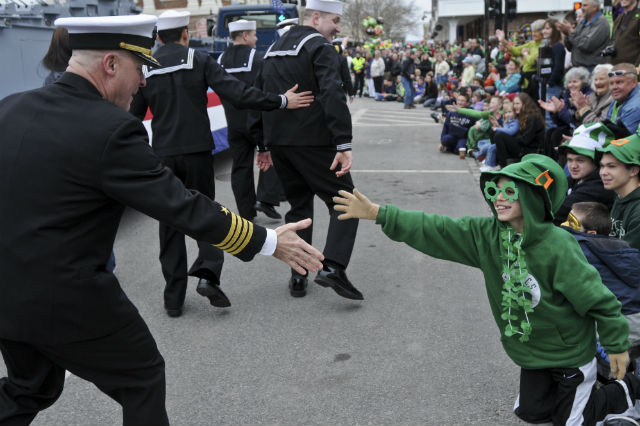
(267, 209)
(337, 279)
(435, 116)
(174, 312)
(298, 286)
(213, 291)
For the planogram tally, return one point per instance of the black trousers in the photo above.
(304, 173)
(359, 82)
(377, 83)
(125, 365)
(568, 395)
(196, 172)
(508, 146)
(242, 179)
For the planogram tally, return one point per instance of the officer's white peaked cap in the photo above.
(134, 33)
(242, 25)
(329, 6)
(171, 19)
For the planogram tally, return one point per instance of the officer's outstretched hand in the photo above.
(294, 251)
(345, 159)
(619, 363)
(355, 206)
(298, 100)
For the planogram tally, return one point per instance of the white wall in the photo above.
(448, 8)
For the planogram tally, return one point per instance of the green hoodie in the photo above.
(625, 218)
(566, 293)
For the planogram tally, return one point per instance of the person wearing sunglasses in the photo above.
(625, 109)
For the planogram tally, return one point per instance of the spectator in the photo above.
(371, 90)
(57, 57)
(442, 69)
(454, 132)
(528, 54)
(357, 66)
(584, 180)
(475, 48)
(501, 59)
(408, 75)
(418, 88)
(625, 109)
(388, 92)
(590, 36)
(425, 64)
(480, 129)
(377, 72)
(510, 84)
(562, 110)
(626, 34)
(593, 108)
(619, 168)
(468, 72)
(616, 261)
(486, 147)
(553, 41)
(530, 137)
(396, 67)
(430, 91)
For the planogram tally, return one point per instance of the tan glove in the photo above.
(355, 205)
(619, 363)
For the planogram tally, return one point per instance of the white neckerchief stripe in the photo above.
(186, 66)
(242, 69)
(294, 52)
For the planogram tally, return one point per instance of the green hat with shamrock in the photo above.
(542, 173)
(587, 138)
(626, 150)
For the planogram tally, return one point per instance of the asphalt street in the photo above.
(421, 349)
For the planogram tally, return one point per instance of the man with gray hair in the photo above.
(591, 35)
(625, 109)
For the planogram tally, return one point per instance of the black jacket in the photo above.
(176, 93)
(408, 68)
(70, 161)
(589, 189)
(303, 56)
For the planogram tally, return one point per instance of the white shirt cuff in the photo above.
(270, 243)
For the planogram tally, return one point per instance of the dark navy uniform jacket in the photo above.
(303, 56)
(176, 93)
(70, 161)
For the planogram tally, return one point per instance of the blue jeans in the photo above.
(486, 148)
(441, 79)
(409, 91)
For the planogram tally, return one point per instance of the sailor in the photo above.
(243, 62)
(311, 147)
(176, 94)
(345, 75)
(69, 172)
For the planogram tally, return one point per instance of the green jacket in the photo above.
(625, 218)
(567, 295)
(528, 65)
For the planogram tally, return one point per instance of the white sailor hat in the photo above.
(329, 6)
(287, 22)
(134, 33)
(170, 19)
(242, 25)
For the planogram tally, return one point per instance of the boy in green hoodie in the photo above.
(545, 297)
(620, 172)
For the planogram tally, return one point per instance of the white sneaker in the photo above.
(486, 168)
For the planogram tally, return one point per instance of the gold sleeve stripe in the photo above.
(232, 229)
(247, 238)
(234, 238)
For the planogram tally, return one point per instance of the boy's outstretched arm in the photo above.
(355, 206)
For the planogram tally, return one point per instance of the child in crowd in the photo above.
(488, 148)
(388, 92)
(481, 128)
(399, 89)
(477, 100)
(454, 132)
(545, 297)
(617, 262)
(418, 86)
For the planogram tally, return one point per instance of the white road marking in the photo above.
(358, 114)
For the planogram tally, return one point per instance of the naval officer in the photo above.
(243, 62)
(176, 94)
(69, 171)
(311, 147)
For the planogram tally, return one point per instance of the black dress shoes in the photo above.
(174, 312)
(267, 209)
(213, 291)
(298, 286)
(337, 279)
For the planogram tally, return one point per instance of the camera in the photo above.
(608, 51)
